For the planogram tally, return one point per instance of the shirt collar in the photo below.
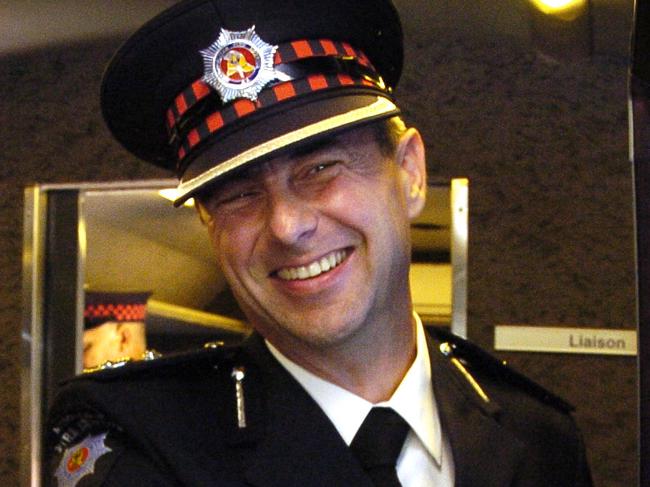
(413, 399)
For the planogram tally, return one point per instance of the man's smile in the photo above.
(313, 269)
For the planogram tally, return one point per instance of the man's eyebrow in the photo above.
(236, 176)
(301, 152)
(315, 146)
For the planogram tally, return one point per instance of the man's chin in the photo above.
(326, 332)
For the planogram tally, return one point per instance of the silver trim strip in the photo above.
(459, 238)
(81, 279)
(34, 216)
(116, 185)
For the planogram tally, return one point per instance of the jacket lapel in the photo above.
(483, 452)
(297, 444)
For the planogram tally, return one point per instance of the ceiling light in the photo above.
(562, 9)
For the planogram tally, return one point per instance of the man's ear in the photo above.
(202, 211)
(125, 336)
(412, 162)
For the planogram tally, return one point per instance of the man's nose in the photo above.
(291, 219)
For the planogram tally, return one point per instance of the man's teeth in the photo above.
(315, 268)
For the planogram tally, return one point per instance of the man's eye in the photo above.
(322, 167)
(317, 176)
(236, 197)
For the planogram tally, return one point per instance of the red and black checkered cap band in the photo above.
(116, 312)
(286, 53)
(270, 96)
(120, 307)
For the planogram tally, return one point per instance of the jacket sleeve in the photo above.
(100, 457)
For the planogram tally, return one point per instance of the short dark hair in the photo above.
(388, 133)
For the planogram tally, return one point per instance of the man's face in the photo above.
(113, 341)
(316, 245)
(101, 344)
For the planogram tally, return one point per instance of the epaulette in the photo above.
(72, 428)
(476, 358)
(211, 353)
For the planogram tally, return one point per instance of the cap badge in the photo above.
(79, 460)
(239, 64)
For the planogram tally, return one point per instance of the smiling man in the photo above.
(280, 121)
(321, 269)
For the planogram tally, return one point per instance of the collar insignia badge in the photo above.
(79, 460)
(239, 64)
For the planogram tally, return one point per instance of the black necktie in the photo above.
(378, 443)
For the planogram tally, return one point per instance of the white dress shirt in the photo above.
(425, 459)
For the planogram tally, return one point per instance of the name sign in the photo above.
(522, 338)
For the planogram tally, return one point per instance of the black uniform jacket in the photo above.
(174, 421)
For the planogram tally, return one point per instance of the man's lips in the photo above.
(313, 269)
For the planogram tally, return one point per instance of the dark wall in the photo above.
(544, 145)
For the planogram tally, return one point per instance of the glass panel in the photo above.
(127, 237)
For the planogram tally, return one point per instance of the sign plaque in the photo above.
(603, 341)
